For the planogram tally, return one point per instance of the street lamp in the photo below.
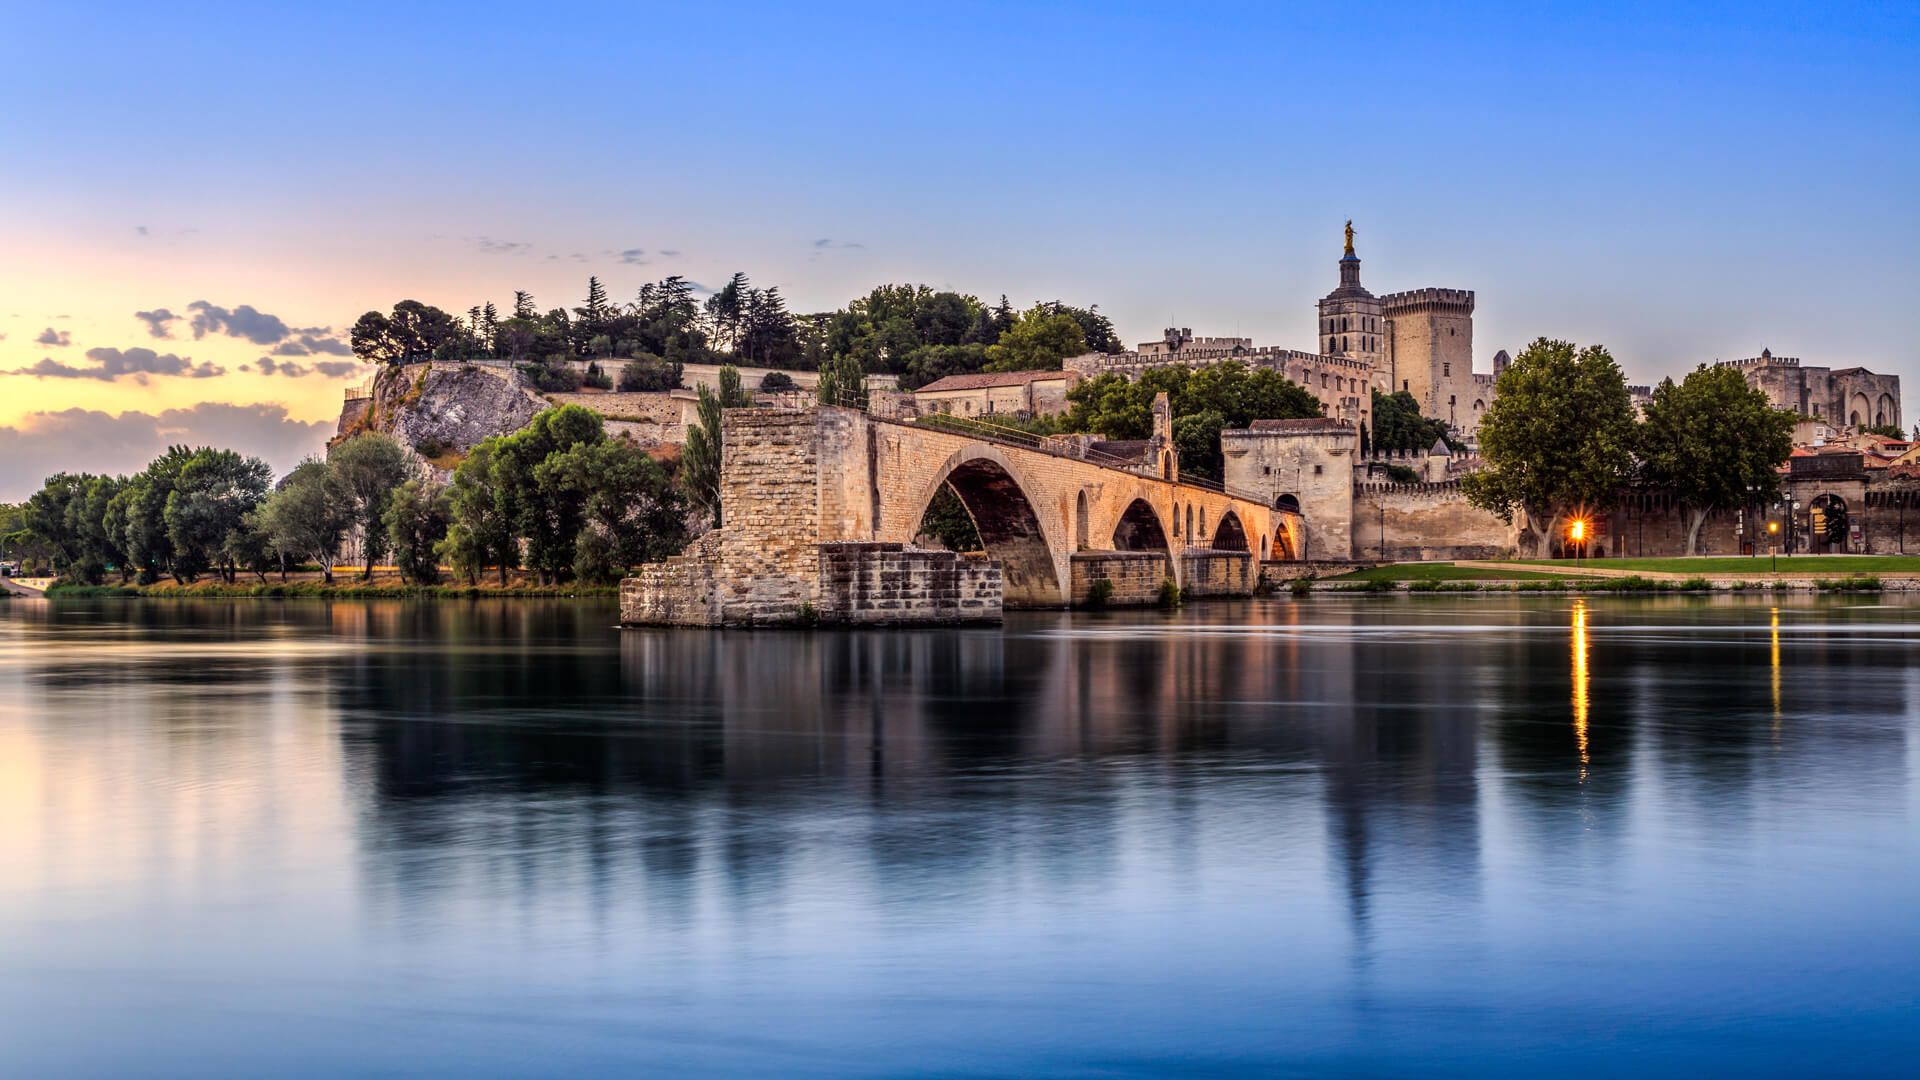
(1578, 532)
(1773, 548)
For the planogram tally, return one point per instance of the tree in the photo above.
(1040, 340)
(1890, 431)
(1398, 425)
(49, 515)
(947, 520)
(595, 313)
(1197, 437)
(484, 532)
(212, 495)
(632, 512)
(308, 516)
(842, 382)
(366, 468)
(373, 341)
(545, 515)
(732, 395)
(141, 517)
(1559, 437)
(725, 309)
(416, 518)
(1119, 408)
(777, 380)
(649, 374)
(700, 459)
(1714, 442)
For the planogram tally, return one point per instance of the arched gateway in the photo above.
(820, 508)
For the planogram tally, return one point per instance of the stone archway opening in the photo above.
(1228, 534)
(1282, 548)
(1828, 527)
(1289, 503)
(1139, 529)
(1009, 531)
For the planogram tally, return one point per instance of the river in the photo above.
(1432, 836)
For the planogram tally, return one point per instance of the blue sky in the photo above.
(1679, 182)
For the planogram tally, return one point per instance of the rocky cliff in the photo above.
(445, 408)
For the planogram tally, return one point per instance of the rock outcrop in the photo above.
(449, 406)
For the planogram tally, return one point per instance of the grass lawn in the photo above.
(1440, 571)
(1733, 565)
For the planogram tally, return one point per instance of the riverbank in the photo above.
(352, 589)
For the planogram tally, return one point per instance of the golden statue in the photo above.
(1349, 236)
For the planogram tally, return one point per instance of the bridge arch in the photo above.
(1229, 534)
(1011, 528)
(1139, 529)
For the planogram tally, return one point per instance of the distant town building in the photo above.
(1006, 393)
(1852, 396)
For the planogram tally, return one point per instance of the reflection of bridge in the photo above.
(820, 507)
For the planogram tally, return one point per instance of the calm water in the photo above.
(1367, 837)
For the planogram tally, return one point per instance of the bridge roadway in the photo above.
(1035, 507)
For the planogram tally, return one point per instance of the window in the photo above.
(1266, 470)
(1403, 384)
(1446, 371)
(1316, 470)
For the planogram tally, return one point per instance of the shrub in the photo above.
(552, 378)
(1457, 586)
(1850, 583)
(805, 615)
(649, 374)
(1170, 594)
(596, 378)
(1377, 586)
(1430, 585)
(430, 447)
(1402, 474)
(1696, 584)
(1300, 586)
(1100, 594)
(777, 380)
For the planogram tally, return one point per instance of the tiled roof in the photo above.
(984, 379)
(1316, 423)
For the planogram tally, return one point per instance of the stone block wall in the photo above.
(1434, 521)
(1217, 573)
(1136, 575)
(870, 582)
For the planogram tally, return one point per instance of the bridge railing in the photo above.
(1028, 440)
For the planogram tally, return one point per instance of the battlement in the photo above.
(1129, 363)
(1763, 360)
(1459, 301)
(1436, 489)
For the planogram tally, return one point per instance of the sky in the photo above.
(196, 202)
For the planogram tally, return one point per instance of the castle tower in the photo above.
(1350, 319)
(1430, 351)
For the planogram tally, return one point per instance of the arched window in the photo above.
(1080, 522)
(1189, 522)
(1176, 519)
(1203, 524)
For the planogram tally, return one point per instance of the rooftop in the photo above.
(1314, 423)
(982, 380)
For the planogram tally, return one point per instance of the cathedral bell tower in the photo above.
(1350, 322)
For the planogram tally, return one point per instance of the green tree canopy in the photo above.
(367, 467)
(309, 515)
(1039, 341)
(1398, 425)
(1558, 438)
(1714, 442)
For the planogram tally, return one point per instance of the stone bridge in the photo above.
(820, 508)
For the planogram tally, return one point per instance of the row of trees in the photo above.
(910, 331)
(1562, 440)
(194, 512)
(559, 497)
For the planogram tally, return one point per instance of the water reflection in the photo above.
(1267, 836)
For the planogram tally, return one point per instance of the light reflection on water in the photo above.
(1434, 836)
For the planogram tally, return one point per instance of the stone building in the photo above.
(1006, 393)
(1420, 341)
(1853, 396)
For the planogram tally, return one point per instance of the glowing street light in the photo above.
(1578, 532)
(1773, 548)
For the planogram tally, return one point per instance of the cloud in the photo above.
(50, 336)
(141, 229)
(669, 254)
(332, 369)
(243, 322)
(112, 364)
(269, 366)
(490, 246)
(825, 244)
(84, 440)
(157, 321)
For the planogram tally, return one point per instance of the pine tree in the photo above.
(523, 305)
